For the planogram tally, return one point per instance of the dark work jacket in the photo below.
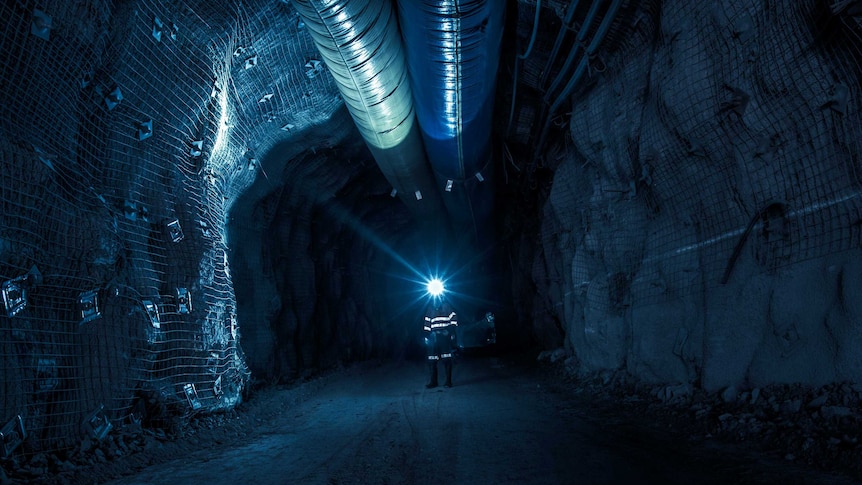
(439, 327)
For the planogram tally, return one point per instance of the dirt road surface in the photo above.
(499, 424)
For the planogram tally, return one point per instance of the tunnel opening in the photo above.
(329, 268)
(315, 247)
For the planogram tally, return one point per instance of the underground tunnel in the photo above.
(220, 222)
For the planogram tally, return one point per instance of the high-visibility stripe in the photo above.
(445, 356)
(443, 324)
(433, 357)
(426, 328)
(440, 319)
(427, 319)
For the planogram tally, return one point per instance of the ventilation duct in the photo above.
(453, 50)
(361, 46)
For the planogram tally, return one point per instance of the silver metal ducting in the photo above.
(361, 46)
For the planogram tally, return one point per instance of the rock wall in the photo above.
(703, 220)
(129, 131)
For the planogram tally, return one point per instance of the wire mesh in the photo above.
(128, 129)
(744, 114)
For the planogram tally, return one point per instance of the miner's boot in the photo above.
(447, 364)
(432, 372)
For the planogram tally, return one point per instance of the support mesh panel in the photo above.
(127, 131)
(712, 118)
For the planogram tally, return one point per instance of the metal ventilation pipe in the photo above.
(361, 46)
(453, 51)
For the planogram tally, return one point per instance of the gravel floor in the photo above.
(507, 420)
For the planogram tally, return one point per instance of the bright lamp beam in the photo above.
(435, 287)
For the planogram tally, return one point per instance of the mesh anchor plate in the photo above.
(192, 396)
(88, 306)
(197, 148)
(113, 98)
(14, 295)
(144, 129)
(175, 231)
(152, 312)
(184, 301)
(158, 28)
(11, 435)
(97, 425)
(313, 68)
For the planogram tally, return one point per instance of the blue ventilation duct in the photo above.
(360, 44)
(453, 51)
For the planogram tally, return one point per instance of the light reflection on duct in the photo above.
(360, 44)
(453, 51)
(450, 48)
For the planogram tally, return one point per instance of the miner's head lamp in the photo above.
(435, 287)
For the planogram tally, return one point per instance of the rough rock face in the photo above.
(148, 150)
(703, 224)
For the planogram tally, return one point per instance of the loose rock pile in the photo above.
(157, 439)
(820, 427)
